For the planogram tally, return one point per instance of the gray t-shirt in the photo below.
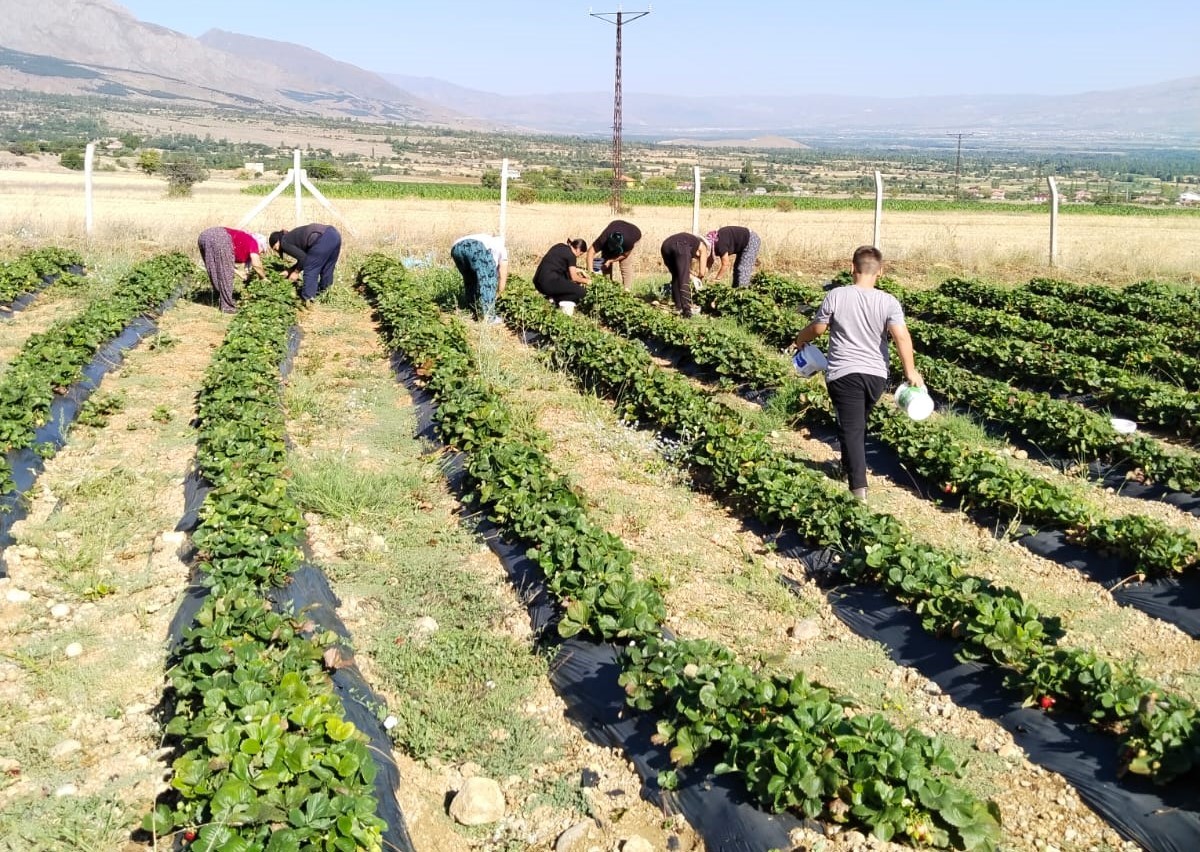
(858, 318)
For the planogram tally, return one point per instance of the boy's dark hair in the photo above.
(276, 239)
(614, 246)
(577, 244)
(867, 259)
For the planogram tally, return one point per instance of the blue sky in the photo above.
(890, 48)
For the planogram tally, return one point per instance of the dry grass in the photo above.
(133, 210)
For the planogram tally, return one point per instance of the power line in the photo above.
(618, 18)
(958, 160)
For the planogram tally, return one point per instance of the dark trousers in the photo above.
(678, 258)
(853, 396)
(561, 290)
(319, 264)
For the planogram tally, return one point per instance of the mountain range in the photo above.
(96, 47)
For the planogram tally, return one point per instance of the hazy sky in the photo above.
(883, 47)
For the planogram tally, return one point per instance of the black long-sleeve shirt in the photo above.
(296, 242)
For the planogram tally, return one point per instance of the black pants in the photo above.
(853, 396)
(319, 264)
(560, 290)
(678, 258)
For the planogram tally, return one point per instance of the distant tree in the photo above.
(490, 179)
(360, 176)
(746, 175)
(524, 195)
(659, 182)
(322, 170)
(535, 178)
(718, 182)
(150, 161)
(182, 175)
(72, 158)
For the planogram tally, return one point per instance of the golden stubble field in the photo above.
(132, 213)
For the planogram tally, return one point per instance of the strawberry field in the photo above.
(310, 580)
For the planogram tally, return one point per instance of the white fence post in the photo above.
(1053, 219)
(696, 200)
(503, 197)
(298, 177)
(878, 207)
(316, 193)
(89, 158)
(275, 193)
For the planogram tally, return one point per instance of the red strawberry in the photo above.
(1046, 702)
(189, 836)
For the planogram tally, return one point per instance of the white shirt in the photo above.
(492, 243)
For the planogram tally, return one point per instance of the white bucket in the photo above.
(915, 402)
(809, 360)
(567, 308)
(1123, 427)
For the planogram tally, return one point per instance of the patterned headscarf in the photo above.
(711, 239)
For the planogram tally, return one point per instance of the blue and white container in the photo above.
(809, 360)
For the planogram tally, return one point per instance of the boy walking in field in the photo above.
(859, 319)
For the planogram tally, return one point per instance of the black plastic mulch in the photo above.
(309, 596)
(26, 464)
(584, 674)
(1163, 819)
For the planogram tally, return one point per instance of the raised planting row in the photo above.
(1060, 426)
(1160, 735)
(1151, 301)
(983, 477)
(791, 740)
(1027, 364)
(266, 758)
(30, 270)
(1136, 354)
(50, 362)
(1070, 315)
(1053, 424)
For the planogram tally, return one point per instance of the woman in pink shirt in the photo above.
(222, 249)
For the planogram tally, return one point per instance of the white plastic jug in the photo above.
(915, 402)
(809, 360)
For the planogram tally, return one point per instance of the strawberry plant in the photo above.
(984, 477)
(29, 271)
(1126, 352)
(1057, 425)
(53, 360)
(588, 571)
(1064, 314)
(738, 466)
(266, 758)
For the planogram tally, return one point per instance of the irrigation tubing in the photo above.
(1162, 819)
(308, 596)
(26, 463)
(584, 674)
